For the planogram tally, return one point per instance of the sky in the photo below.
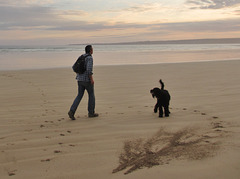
(57, 22)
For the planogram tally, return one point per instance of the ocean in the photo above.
(42, 57)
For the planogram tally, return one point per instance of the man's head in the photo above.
(89, 49)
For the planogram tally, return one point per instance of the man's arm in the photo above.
(90, 69)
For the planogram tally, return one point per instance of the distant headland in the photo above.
(187, 41)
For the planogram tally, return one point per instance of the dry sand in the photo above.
(200, 139)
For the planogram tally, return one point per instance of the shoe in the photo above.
(93, 115)
(71, 115)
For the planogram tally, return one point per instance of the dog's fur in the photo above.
(163, 98)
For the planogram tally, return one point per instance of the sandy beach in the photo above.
(200, 139)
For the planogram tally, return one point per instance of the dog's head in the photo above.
(155, 92)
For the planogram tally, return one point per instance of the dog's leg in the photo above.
(166, 111)
(156, 107)
(160, 111)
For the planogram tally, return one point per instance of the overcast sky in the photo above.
(60, 22)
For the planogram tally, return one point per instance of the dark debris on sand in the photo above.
(164, 147)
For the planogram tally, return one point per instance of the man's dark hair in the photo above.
(88, 48)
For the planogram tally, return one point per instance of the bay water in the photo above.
(43, 57)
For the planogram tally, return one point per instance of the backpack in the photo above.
(79, 66)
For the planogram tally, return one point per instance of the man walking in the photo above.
(85, 82)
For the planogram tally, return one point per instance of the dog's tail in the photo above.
(162, 84)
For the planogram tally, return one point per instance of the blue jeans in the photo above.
(82, 86)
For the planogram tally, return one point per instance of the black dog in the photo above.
(163, 98)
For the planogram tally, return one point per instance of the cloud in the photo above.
(25, 2)
(48, 19)
(237, 12)
(24, 13)
(212, 4)
(31, 20)
(97, 26)
(143, 7)
(203, 26)
(36, 17)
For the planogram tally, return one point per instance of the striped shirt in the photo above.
(89, 70)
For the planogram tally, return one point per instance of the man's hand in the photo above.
(91, 78)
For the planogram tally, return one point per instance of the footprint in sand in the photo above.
(47, 160)
(57, 151)
(202, 113)
(217, 125)
(12, 173)
(32, 85)
(8, 144)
